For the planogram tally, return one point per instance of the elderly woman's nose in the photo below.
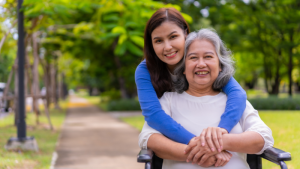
(201, 63)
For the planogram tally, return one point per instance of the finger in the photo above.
(190, 146)
(209, 139)
(215, 139)
(197, 157)
(202, 137)
(227, 158)
(192, 154)
(219, 160)
(203, 159)
(220, 137)
(224, 160)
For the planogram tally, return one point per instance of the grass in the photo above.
(46, 140)
(284, 124)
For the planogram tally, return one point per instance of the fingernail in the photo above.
(187, 161)
(212, 149)
(196, 138)
(202, 144)
(219, 150)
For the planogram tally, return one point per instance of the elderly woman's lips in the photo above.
(202, 73)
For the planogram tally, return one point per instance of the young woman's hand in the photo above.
(222, 158)
(198, 154)
(213, 137)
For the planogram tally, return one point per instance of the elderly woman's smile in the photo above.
(201, 65)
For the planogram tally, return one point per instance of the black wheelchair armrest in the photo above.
(145, 155)
(277, 156)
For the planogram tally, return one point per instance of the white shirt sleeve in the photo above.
(147, 131)
(251, 121)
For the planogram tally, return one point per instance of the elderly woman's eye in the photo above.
(208, 56)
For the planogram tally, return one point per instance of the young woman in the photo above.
(164, 39)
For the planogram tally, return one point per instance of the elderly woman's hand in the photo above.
(222, 158)
(213, 137)
(198, 153)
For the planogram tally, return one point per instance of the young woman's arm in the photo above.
(152, 111)
(235, 105)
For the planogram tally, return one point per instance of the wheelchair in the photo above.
(274, 155)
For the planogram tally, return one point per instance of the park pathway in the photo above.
(93, 139)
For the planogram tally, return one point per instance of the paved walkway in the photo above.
(92, 139)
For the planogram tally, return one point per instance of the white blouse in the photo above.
(198, 113)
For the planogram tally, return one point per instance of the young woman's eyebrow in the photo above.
(168, 35)
(172, 33)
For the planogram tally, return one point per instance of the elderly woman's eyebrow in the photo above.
(209, 53)
(191, 54)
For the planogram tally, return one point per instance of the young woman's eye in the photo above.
(158, 41)
(174, 36)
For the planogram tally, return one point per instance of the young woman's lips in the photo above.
(171, 55)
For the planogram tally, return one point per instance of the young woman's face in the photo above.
(201, 64)
(168, 42)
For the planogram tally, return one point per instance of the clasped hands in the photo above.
(207, 149)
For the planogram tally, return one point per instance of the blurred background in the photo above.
(91, 49)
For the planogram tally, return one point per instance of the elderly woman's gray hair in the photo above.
(224, 55)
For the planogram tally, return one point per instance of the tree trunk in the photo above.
(290, 66)
(35, 78)
(121, 80)
(47, 83)
(56, 85)
(275, 85)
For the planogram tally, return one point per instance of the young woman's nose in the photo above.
(168, 46)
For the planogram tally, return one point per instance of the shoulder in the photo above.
(168, 95)
(141, 67)
(142, 71)
(249, 110)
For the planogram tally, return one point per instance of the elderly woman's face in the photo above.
(201, 64)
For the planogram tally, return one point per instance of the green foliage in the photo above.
(112, 94)
(275, 103)
(123, 105)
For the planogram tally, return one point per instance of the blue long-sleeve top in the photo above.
(160, 121)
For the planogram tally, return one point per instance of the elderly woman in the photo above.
(198, 104)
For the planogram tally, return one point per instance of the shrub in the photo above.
(123, 104)
(274, 103)
(112, 94)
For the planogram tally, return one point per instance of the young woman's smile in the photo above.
(168, 43)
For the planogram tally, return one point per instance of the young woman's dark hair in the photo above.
(160, 76)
